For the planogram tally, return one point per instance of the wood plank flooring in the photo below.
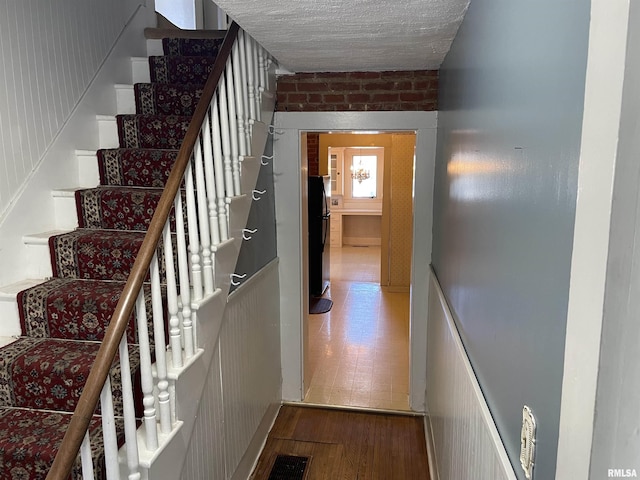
(348, 445)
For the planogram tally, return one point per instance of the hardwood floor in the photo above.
(347, 445)
(359, 351)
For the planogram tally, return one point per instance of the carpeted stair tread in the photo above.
(65, 318)
(30, 440)
(136, 167)
(99, 254)
(180, 69)
(74, 309)
(117, 208)
(192, 46)
(96, 254)
(152, 131)
(49, 374)
(166, 98)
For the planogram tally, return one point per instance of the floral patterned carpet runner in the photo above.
(63, 319)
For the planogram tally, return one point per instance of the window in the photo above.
(363, 171)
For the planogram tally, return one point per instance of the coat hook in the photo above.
(259, 192)
(265, 157)
(248, 230)
(234, 275)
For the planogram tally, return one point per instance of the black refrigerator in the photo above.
(319, 218)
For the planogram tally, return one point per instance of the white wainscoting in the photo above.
(243, 387)
(49, 53)
(60, 61)
(464, 438)
(207, 446)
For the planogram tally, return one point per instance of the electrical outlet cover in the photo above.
(527, 442)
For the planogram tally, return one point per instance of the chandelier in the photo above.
(360, 174)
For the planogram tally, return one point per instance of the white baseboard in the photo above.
(251, 456)
(361, 241)
(431, 454)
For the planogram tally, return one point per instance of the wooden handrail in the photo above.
(63, 463)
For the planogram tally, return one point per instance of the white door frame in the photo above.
(290, 191)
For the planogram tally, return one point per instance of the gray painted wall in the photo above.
(616, 443)
(261, 248)
(511, 102)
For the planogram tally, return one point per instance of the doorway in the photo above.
(290, 173)
(358, 352)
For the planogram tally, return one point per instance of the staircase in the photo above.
(65, 320)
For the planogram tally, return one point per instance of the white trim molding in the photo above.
(289, 198)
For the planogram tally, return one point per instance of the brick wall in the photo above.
(358, 91)
(313, 153)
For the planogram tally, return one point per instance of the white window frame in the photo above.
(362, 203)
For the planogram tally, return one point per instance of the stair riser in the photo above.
(154, 46)
(88, 174)
(38, 263)
(140, 70)
(125, 99)
(10, 316)
(64, 205)
(107, 131)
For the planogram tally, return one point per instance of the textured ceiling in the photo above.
(351, 35)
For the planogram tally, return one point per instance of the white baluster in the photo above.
(109, 432)
(203, 220)
(248, 46)
(238, 82)
(256, 70)
(130, 426)
(226, 141)
(270, 61)
(160, 347)
(86, 458)
(172, 298)
(248, 122)
(209, 176)
(233, 129)
(262, 69)
(194, 241)
(146, 376)
(185, 287)
(218, 168)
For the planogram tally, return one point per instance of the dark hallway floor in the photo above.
(343, 444)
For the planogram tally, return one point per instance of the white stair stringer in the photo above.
(186, 381)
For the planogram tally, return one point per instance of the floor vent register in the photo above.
(289, 467)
